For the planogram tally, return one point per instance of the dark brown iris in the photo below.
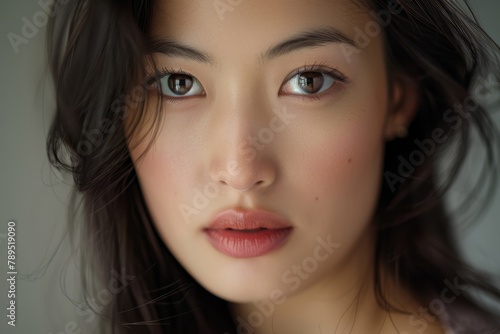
(311, 82)
(180, 84)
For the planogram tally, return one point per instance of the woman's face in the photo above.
(247, 130)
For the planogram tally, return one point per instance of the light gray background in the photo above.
(36, 198)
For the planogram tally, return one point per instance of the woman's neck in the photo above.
(342, 302)
(314, 309)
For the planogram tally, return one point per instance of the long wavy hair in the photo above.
(98, 52)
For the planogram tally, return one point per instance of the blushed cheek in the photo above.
(160, 181)
(344, 176)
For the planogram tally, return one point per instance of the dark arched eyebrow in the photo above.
(174, 48)
(305, 39)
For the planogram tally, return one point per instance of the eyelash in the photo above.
(338, 76)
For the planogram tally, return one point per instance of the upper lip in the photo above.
(238, 219)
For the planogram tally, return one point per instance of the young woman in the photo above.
(272, 166)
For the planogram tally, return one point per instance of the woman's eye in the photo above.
(180, 85)
(309, 83)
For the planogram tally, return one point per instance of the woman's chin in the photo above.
(246, 292)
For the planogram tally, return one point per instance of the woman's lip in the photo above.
(247, 244)
(247, 233)
(237, 219)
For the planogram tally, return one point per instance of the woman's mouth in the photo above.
(247, 233)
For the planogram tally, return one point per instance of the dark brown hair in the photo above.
(98, 53)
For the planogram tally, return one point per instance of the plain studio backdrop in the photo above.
(36, 197)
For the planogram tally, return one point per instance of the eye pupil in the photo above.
(311, 82)
(180, 84)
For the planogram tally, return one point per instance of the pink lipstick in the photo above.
(247, 233)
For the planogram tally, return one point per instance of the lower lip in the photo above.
(239, 244)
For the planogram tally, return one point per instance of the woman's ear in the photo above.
(403, 104)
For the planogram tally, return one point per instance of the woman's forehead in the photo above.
(258, 16)
(258, 30)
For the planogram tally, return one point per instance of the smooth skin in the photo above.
(224, 143)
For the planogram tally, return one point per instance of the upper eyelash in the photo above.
(321, 68)
(158, 74)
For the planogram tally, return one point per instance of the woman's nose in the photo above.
(241, 150)
(246, 175)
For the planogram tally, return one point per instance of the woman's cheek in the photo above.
(344, 151)
(340, 172)
(164, 175)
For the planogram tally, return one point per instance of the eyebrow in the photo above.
(305, 39)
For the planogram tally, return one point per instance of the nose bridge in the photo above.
(238, 158)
